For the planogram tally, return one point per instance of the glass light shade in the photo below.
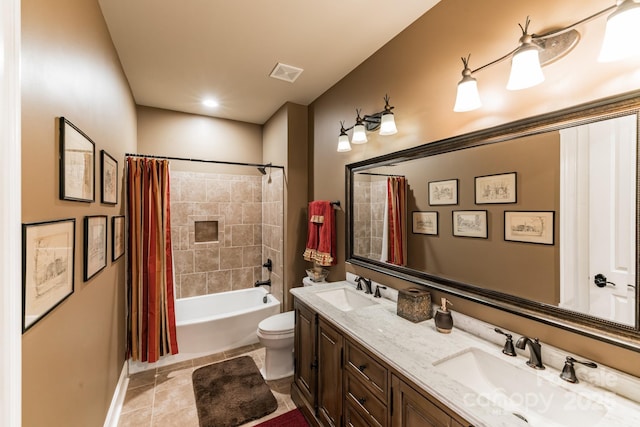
(622, 34)
(343, 143)
(388, 124)
(467, 98)
(525, 68)
(359, 135)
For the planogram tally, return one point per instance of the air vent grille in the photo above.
(285, 72)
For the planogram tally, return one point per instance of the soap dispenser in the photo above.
(443, 319)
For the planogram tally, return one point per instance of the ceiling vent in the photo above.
(285, 72)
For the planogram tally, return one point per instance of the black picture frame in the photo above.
(425, 222)
(77, 164)
(108, 179)
(498, 188)
(470, 223)
(444, 192)
(117, 237)
(48, 267)
(537, 227)
(95, 245)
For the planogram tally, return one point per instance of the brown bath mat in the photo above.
(231, 393)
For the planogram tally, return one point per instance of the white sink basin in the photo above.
(345, 299)
(521, 392)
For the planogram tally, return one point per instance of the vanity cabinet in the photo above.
(330, 352)
(305, 377)
(337, 382)
(412, 408)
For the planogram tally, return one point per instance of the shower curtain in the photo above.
(396, 219)
(151, 324)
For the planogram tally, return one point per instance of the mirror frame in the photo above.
(584, 324)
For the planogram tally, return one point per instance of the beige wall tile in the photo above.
(193, 284)
(242, 278)
(242, 235)
(230, 258)
(206, 260)
(218, 281)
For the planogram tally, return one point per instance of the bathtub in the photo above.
(213, 323)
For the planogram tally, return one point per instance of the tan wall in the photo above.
(72, 358)
(420, 68)
(285, 143)
(171, 133)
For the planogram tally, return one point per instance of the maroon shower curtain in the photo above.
(151, 313)
(397, 221)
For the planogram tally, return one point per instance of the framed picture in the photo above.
(117, 237)
(77, 164)
(499, 188)
(529, 226)
(470, 224)
(425, 223)
(48, 250)
(108, 179)
(443, 192)
(95, 245)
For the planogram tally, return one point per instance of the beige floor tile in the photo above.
(172, 399)
(136, 418)
(142, 378)
(171, 379)
(177, 366)
(185, 417)
(207, 360)
(137, 398)
(238, 351)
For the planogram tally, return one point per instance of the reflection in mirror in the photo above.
(560, 205)
(380, 218)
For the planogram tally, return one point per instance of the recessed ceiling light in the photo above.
(211, 103)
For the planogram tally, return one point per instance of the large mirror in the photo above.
(537, 217)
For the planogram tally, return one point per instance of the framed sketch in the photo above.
(529, 226)
(77, 164)
(108, 179)
(499, 188)
(470, 224)
(95, 245)
(117, 237)
(48, 250)
(425, 223)
(443, 192)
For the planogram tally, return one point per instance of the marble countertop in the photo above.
(412, 348)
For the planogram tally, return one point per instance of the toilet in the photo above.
(276, 334)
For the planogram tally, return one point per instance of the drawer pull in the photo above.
(361, 368)
(362, 400)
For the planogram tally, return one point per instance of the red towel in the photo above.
(321, 234)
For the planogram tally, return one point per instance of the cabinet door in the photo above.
(305, 353)
(412, 409)
(330, 344)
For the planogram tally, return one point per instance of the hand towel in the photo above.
(321, 234)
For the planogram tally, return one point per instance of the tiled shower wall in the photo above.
(369, 216)
(235, 260)
(272, 229)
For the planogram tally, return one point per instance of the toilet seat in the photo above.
(277, 324)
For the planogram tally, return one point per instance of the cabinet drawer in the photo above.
(370, 372)
(353, 418)
(368, 405)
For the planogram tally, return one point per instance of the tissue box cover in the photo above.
(414, 304)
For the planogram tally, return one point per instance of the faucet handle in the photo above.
(377, 293)
(508, 348)
(358, 283)
(569, 373)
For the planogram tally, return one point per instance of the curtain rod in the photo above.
(379, 174)
(221, 162)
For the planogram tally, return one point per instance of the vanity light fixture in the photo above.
(535, 50)
(383, 120)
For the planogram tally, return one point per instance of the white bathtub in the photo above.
(213, 323)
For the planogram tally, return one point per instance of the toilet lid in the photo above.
(278, 323)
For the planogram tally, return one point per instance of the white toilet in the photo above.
(276, 335)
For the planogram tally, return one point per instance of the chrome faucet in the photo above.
(535, 354)
(367, 284)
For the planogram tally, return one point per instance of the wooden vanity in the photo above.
(338, 382)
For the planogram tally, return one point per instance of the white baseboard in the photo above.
(113, 416)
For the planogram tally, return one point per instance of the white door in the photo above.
(598, 213)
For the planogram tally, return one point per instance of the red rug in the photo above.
(288, 419)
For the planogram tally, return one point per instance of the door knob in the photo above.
(600, 280)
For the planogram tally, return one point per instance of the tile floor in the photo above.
(164, 396)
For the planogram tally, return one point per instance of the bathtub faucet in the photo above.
(262, 283)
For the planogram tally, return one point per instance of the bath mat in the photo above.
(288, 419)
(231, 393)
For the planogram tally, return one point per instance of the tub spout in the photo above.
(262, 283)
